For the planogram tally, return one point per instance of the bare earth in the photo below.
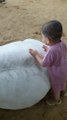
(21, 19)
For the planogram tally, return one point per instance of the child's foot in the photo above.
(53, 102)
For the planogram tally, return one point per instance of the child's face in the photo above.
(45, 40)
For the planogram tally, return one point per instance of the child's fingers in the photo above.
(31, 51)
(44, 47)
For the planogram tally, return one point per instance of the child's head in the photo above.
(52, 32)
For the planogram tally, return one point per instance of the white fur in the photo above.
(23, 82)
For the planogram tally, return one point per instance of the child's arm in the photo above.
(36, 55)
(45, 61)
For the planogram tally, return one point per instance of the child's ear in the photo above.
(48, 42)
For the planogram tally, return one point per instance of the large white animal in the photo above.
(23, 82)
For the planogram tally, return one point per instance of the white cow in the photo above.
(23, 82)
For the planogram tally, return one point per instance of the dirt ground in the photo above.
(21, 19)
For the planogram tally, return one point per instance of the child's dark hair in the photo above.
(53, 30)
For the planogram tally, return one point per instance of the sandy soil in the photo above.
(20, 19)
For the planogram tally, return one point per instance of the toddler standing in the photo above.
(55, 59)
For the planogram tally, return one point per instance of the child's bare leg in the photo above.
(57, 96)
(54, 101)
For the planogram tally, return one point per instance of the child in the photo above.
(55, 60)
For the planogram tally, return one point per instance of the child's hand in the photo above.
(45, 48)
(33, 52)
